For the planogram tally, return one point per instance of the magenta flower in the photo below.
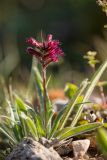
(47, 51)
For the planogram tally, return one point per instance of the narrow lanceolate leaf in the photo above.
(70, 132)
(49, 122)
(15, 127)
(56, 123)
(13, 140)
(18, 131)
(31, 125)
(48, 81)
(89, 90)
(39, 86)
(38, 122)
(32, 128)
(12, 110)
(49, 113)
(41, 131)
(31, 79)
(20, 104)
(102, 140)
(72, 104)
(24, 127)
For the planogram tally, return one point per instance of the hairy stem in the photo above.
(44, 91)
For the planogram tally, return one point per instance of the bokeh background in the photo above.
(79, 25)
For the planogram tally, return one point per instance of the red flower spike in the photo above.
(47, 51)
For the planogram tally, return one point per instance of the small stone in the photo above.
(67, 158)
(86, 157)
(80, 147)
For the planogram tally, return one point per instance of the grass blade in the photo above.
(2, 130)
(56, 123)
(20, 104)
(49, 122)
(39, 86)
(39, 125)
(37, 120)
(72, 103)
(102, 140)
(31, 125)
(70, 132)
(89, 90)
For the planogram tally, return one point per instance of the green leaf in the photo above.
(22, 107)
(14, 126)
(31, 125)
(72, 104)
(102, 140)
(30, 87)
(20, 104)
(49, 121)
(48, 81)
(40, 128)
(71, 132)
(38, 122)
(39, 86)
(9, 136)
(70, 90)
(39, 90)
(17, 129)
(56, 123)
(12, 110)
(25, 129)
(105, 125)
(89, 90)
(49, 110)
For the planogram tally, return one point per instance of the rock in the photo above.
(64, 148)
(67, 158)
(30, 149)
(59, 104)
(86, 157)
(80, 147)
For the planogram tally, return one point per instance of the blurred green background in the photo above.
(79, 25)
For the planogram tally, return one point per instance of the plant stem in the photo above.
(44, 91)
(103, 98)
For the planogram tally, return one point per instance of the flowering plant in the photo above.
(24, 121)
(46, 52)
